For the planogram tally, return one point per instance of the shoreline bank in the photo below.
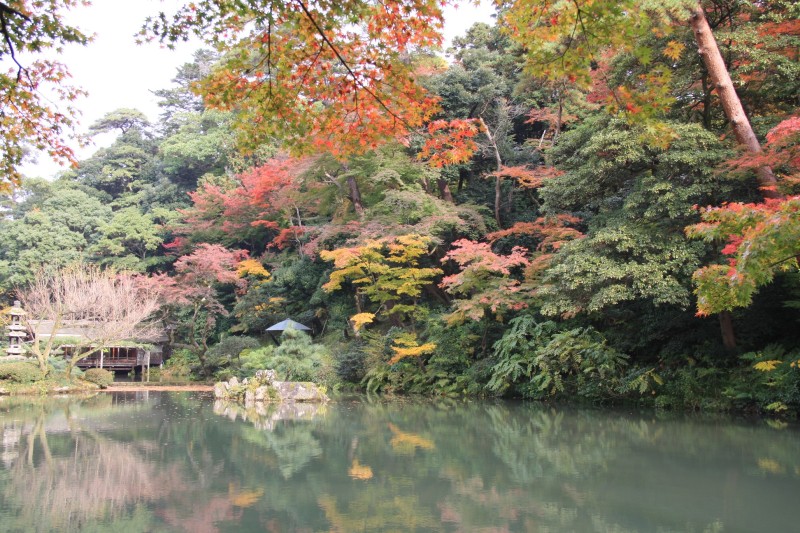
(169, 388)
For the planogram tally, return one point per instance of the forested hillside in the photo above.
(567, 205)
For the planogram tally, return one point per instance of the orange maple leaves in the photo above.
(320, 75)
(450, 142)
(28, 114)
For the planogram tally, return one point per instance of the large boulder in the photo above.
(299, 391)
(221, 390)
(263, 388)
(265, 377)
(262, 393)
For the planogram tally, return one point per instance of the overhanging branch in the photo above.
(5, 11)
(344, 63)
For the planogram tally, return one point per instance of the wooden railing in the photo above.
(109, 362)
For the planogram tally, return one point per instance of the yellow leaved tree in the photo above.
(387, 278)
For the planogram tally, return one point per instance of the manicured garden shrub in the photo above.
(297, 358)
(20, 372)
(99, 376)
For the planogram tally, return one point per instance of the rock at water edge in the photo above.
(299, 391)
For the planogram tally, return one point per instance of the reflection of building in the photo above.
(71, 336)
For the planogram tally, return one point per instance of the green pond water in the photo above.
(136, 462)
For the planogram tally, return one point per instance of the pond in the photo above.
(159, 461)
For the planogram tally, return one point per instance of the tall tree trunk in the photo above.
(498, 197)
(721, 80)
(355, 196)
(742, 130)
(444, 190)
(706, 102)
(559, 116)
(726, 327)
(498, 182)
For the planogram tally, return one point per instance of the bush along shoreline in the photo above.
(26, 378)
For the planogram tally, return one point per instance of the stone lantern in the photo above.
(17, 332)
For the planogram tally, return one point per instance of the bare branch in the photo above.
(4, 29)
(109, 307)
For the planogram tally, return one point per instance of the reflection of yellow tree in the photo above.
(407, 443)
(359, 471)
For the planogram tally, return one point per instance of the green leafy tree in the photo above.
(201, 144)
(635, 198)
(299, 359)
(121, 169)
(179, 100)
(56, 225)
(122, 120)
(129, 241)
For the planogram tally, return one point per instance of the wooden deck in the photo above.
(119, 358)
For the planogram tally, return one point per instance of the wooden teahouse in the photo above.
(133, 354)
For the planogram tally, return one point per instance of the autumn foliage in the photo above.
(252, 203)
(387, 272)
(781, 152)
(29, 115)
(485, 284)
(318, 74)
(762, 240)
(450, 142)
(510, 220)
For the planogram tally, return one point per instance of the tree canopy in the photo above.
(587, 199)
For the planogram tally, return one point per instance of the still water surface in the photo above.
(163, 462)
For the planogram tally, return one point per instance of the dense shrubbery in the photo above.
(222, 359)
(297, 358)
(57, 365)
(99, 376)
(180, 364)
(536, 360)
(770, 381)
(20, 372)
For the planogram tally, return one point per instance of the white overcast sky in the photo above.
(118, 73)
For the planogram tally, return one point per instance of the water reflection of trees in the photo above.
(168, 462)
(67, 476)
